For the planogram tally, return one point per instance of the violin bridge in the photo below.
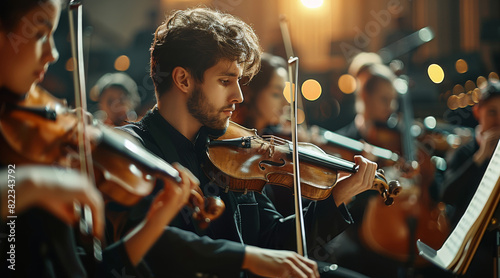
(271, 147)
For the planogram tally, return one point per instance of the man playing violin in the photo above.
(197, 58)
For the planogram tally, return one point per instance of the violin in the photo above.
(248, 162)
(42, 129)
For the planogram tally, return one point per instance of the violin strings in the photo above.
(273, 139)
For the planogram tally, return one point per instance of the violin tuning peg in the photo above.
(394, 188)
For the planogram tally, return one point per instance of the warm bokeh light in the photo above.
(475, 95)
(286, 91)
(311, 89)
(347, 84)
(312, 4)
(462, 100)
(481, 82)
(301, 116)
(458, 89)
(470, 100)
(493, 76)
(436, 73)
(461, 66)
(445, 95)
(122, 63)
(469, 85)
(69, 64)
(453, 102)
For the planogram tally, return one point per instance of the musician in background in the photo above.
(263, 104)
(197, 58)
(376, 103)
(376, 100)
(466, 169)
(37, 202)
(265, 107)
(117, 98)
(469, 161)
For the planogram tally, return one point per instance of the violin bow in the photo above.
(293, 75)
(84, 150)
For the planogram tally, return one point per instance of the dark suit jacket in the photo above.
(184, 249)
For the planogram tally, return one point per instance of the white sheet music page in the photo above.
(453, 247)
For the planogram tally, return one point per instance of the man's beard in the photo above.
(204, 112)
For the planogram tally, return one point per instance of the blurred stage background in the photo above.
(466, 46)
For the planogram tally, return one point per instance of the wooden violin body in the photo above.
(248, 162)
(42, 130)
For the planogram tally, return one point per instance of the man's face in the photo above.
(488, 114)
(116, 103)
(213, 101)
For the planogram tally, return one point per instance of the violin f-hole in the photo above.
(272, 163)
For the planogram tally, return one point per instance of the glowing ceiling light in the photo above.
(312, 4)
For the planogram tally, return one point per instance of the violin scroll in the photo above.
(205, 209)
(387, 190)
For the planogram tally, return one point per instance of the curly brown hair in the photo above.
(196, 39)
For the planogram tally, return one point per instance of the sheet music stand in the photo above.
(482, 213)
(495, 226)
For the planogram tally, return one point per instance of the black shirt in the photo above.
(248, 218)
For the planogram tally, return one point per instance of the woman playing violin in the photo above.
(44, 196)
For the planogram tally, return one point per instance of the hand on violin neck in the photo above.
(166, 205)
(173, 196)
(350, 186)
